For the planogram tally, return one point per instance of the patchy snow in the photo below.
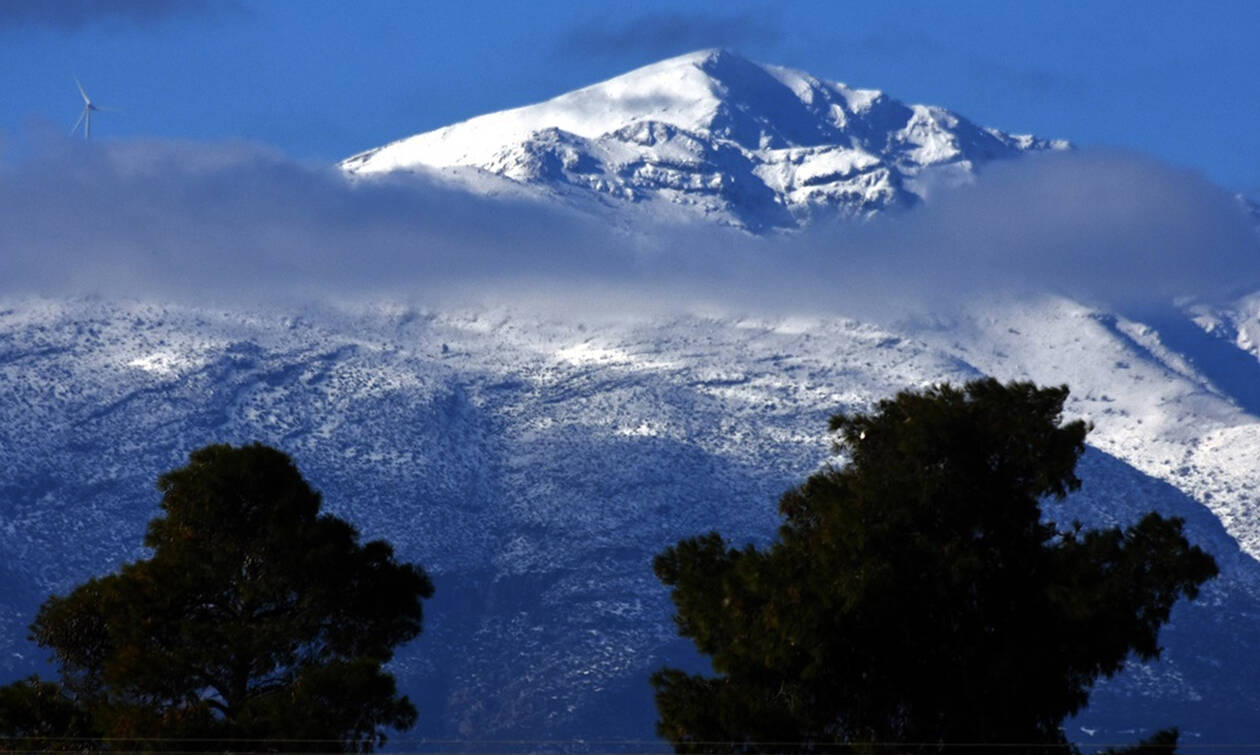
(536, 464)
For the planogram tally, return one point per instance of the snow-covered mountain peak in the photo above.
(719, 136)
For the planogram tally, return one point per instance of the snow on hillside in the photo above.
(733, 141)
(534, 459)
(535, 464)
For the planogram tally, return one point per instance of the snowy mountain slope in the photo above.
(1152, 388)
(718, 137)
(536, 464)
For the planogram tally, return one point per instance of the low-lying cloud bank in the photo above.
(225, 224)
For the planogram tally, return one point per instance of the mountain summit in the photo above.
(716, 136)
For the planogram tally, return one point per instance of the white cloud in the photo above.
(223, 223)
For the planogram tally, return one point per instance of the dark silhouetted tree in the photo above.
(257, 623)
(917, 594)
(38, 716)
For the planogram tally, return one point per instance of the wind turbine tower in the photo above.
(86, 116)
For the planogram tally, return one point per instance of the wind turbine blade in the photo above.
(76, 123)
(79, 84)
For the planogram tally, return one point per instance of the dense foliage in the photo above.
(918, 594)
(258, 623)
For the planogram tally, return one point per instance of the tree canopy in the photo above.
(918, 594)
(257, 623)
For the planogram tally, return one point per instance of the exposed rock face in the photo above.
(719, 137)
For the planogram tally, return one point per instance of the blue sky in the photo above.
(321, 79)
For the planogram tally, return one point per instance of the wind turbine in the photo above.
(86, 116)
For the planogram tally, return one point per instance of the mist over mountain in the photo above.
(535, 348)
(222, 224)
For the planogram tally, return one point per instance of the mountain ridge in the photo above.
(535, 462)
(718, 136)
(535, 465)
